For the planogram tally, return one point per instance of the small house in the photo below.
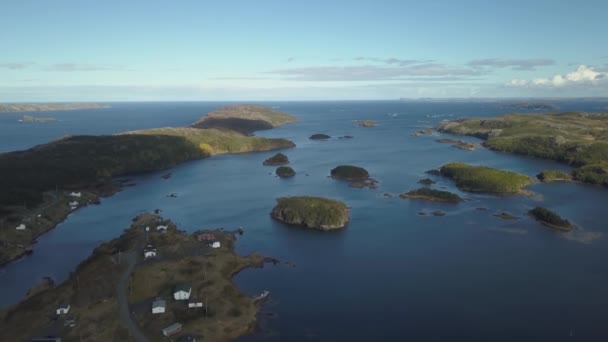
(149, 251)
(182, 292)
(195, 304)
(158, 306)
(20, 227)
(215, 244)
(75, 194)
(63, 309)
(172, 329)
(162, 228)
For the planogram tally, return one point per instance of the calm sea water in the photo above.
(391, 274)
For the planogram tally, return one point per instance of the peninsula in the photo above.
(45, 107)
(576, 138)
(311, 212)
(80, 169)
(127, 288)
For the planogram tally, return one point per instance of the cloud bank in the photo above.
(515, 64)
(583, 75)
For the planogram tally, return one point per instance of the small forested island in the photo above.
(550, 219)
(319, 136)
(575, 138)
(357, 176)
(463, 145)
(132, 286)
(311, 212)
(426, 181)
(285, 172)
(432, 195)
(45, 107)
(277, 159)
(29, 118)
(474, 178)
(366, 123)
(33, 202)
(245, 119)
(554, 176)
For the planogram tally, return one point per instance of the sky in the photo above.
(116, 50)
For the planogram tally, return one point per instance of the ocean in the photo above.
(391, 274)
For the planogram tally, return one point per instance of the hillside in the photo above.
(244, 119)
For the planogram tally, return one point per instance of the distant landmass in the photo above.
(46, 107)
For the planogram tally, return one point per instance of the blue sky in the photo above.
(86, 50)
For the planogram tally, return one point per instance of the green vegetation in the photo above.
(311, 212)
(244, 119)
(432, 195)
(366, 123)
(42, 107)
(350, 173)
(29, 118)
(319, 136)
(485, 179)
(553, 176)
(277, 159)
(550, 219)
(579, 139)
(426, 181)
(285, 172)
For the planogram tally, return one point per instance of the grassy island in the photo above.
(244, 119)
(349, 172)
(319, 136)
(485, 179)
(432, 195)
(112, 292)
(311, 212)
(87, 164)
(553, 176)
(29, 118)
(550, 219)
(579, 139)
(285, 172)
(277, 159)
(366, 123)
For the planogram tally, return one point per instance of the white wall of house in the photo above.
(181, 295)
(149, 254)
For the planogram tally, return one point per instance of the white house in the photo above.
(215, 244)
(195, 304)
(158, 306)
(161, 227)
(75, 194)
(63, 309)
(73, 205)
(149, 251)
(20, 227)
(182, 292)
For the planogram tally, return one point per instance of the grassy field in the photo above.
(578, 139)
(312, 212)
(485, 179)
(432, 195)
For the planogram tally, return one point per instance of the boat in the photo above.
(261, 296)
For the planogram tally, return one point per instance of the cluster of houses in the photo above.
(210, 238)
(74, 204)
(181, 292)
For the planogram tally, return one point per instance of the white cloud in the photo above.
(583, 75)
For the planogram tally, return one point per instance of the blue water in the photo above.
(391, 274)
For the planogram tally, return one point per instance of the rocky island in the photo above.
(33, 202)
(285, 172)
(319, 136)
(357, 177)
(550, 219)
(575, 138)
(432, 195)
(128, 287)
(484, 179)
(29, 118)
(554, 176)
(366, 123)
(311, 212)
(463, 145)
(276, 160)
(44, 107)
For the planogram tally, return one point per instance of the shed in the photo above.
(182, 292)
(158, 306)
(20, 227)
(215, 244)
(63, 309)
(195, 304)
(172, 329)
(161, 227)
(75, 194)
(149, 251)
